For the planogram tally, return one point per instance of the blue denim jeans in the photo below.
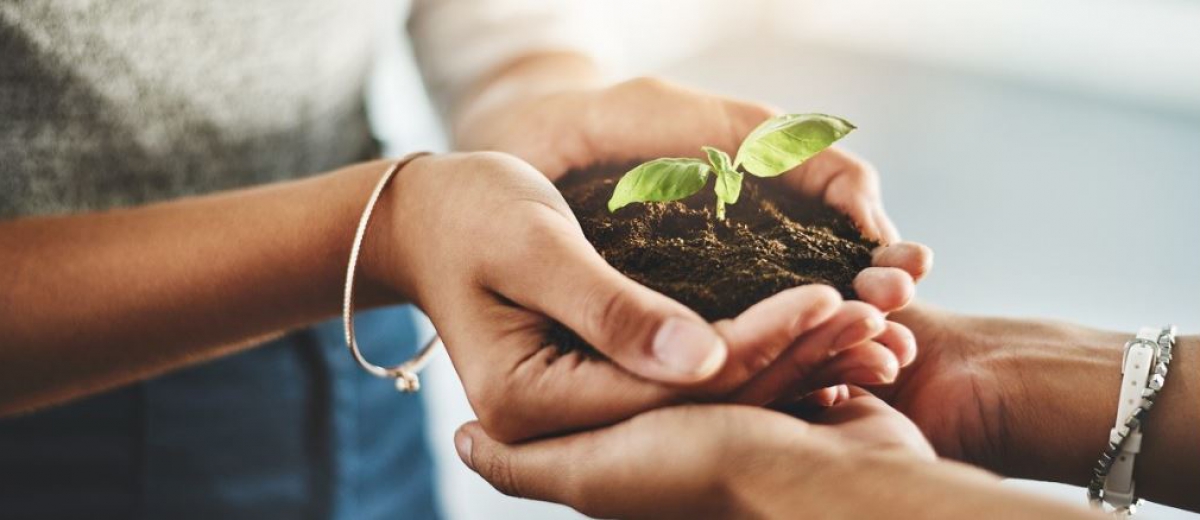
(290, 429)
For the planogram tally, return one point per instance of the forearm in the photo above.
(885, 485)
(1065, 402)
(92, 301)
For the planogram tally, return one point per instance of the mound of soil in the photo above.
(771, 240)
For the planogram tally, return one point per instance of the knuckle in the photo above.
(500, 419)
(605, 310)
(533, 230)
(821, 296)
(858, 309)
(500, 474)
(799, 365)
(614, 317)
(485, 403)
(861, 175)
(822, 300)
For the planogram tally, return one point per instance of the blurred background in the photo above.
(1048, 151)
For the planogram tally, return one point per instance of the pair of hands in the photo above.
(505, 256)
(501, 255)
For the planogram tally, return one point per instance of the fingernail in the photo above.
(858, 332)
(866, 376)
(462, 444)
(688, 348)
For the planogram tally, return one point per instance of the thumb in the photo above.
(643, 331)
(524, 471)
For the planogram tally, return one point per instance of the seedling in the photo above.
(774, 147)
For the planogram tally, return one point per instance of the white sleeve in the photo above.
(458, 42)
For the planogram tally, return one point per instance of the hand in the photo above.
(487, 247)
(1035, 399)
(706, 461)
(575, 128)
(987, 388)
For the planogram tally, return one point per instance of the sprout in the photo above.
(774, 147)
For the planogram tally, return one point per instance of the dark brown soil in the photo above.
(767, 243)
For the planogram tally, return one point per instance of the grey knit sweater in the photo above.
(114, 103)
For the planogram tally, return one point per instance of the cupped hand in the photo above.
(487, 247)
(647, 117)
(700, 461)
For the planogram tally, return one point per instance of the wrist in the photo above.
(378, 280)
(1062, 385)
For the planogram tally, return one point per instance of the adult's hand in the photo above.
(487, 247)
(859, 459)
(695, 461)
(577, 127)
(1036, 399)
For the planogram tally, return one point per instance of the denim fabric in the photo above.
(290, 429)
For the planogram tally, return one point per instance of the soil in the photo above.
(767, 243)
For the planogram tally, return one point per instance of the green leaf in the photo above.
(717, 158)
(783, 142)
(729, 180)
(660, 180)
(729, 186)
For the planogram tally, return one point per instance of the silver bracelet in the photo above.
(405, 374)
(1144, 367)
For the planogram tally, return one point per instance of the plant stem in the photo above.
(720, 209)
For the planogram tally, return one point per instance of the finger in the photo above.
(915, 259)
(859, 403)
(520, 387)
(847, 184)
(562, 276)
(551, 393)
(699, 119)
(743, 118)
(854, 323)
(539, 470)
(664, 461)
(862, 212)
(887, 288)
(823, 397)
(757, 336)
(901, 341)
(868, 364)
(870, 419)
(887, 230)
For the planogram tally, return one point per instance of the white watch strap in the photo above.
(1139, 360)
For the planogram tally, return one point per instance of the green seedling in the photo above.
(774, 147)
